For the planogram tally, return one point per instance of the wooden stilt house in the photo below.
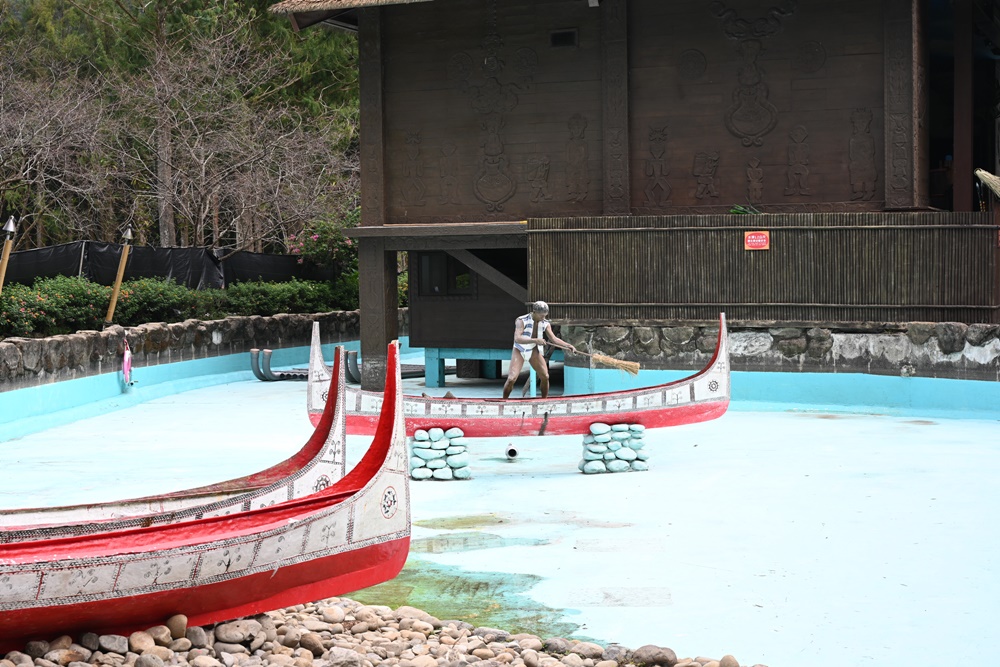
(592, 153)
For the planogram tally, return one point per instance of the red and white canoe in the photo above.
(319, 463)
(697, 398)
(351, 535)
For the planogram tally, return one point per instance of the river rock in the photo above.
(429, 454)
(458, 461)
(113, 644)
(139, 642)
(617, 465)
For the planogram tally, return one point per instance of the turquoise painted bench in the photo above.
(434, 358)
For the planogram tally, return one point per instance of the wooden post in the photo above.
(961, 166)
(9, 230)
(379, 309)
(376, 267)
(906, 126)
(118, 279)
(614, 90)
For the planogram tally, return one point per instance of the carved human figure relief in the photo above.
(538, 178)
(657, 186)
(413, 188)
(751, 114)
(861, 156)
(493, 183)
(448, 169)
(705, 166)
(755, 181)
(798, 162)
(577, 178)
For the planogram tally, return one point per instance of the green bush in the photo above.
(153, 300)
(18, 310)
(74, 304)
(297, 296)
(345, 291)
(62, 305)
(52, 306)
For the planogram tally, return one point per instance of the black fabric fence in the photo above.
(196, 268)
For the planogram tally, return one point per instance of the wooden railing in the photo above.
(823, 267)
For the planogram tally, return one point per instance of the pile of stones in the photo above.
(439, 454)
(614, 448)
(339, 632)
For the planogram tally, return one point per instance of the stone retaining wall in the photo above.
(925, 349)
(28, 362)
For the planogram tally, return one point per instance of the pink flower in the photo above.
(295, 250)
(315, 237)
(348, 243)
(292, 237)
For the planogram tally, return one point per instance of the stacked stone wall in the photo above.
(28, 362)
(924, 349)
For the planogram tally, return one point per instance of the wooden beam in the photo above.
(491, 274)
(405, 243)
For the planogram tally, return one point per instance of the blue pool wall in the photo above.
(751, 391)
(826, 392)
(93, 395)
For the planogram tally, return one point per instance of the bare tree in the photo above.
(52, 128)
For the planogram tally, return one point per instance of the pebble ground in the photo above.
(340, 632)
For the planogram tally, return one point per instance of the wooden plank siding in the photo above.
(433, 105)
(483, 319)
(829, 268)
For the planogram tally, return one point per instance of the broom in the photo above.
(988, 179)
(630, 367)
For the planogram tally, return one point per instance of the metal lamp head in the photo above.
(128, 234)
(10, 228)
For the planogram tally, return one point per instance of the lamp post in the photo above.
(9, 230)
(118, 278)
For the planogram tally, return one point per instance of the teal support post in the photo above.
(434, 358)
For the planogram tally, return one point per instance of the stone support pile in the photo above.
(614, 448)
(439, 454)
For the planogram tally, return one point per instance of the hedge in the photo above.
(62, 305)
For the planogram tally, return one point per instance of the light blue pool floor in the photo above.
(781, 538)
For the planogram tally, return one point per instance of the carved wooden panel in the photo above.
(905, 106)
(509, 115)
(736, 102)
(614, 33)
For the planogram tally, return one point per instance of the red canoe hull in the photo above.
(222, 601)
(477, 427)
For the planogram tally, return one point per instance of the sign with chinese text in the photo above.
(756, 240)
